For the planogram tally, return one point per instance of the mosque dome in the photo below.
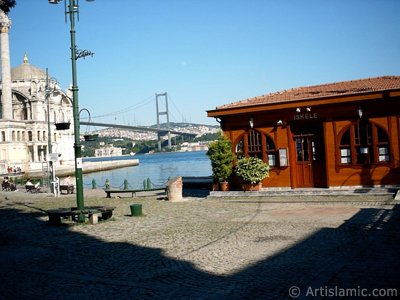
(27, 71)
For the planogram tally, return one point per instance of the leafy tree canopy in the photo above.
(6, 5)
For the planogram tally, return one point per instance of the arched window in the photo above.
(345, 147)
(364, 143)
(239, 149)
(383, 145)
(271, 151)
(253, 143)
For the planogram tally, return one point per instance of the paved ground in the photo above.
(198, 249)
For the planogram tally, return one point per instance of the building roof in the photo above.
(343, 88)
(27, 71)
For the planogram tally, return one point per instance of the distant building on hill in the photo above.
(107, 151)
(199, 146)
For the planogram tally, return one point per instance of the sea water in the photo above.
(158, 167)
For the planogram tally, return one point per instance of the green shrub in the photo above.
(221, 157)
(252, 169)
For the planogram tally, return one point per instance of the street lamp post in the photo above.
(71, 10)
(49, 147)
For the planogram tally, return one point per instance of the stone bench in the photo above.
(68, 188)
(92, 213)
(133, 192)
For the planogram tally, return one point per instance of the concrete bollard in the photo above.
(174, 189)
(94, 218)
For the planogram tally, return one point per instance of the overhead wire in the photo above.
(176, 107)
(140, 104)
(127, 109)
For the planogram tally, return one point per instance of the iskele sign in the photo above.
(305, 116)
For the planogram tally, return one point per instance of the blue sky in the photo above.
(204, 53)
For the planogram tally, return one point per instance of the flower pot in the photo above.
(215, 186)
(252, 186)
(224, 186)
(90, 137)
(62, 125)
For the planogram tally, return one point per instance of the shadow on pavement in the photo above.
(39, 261)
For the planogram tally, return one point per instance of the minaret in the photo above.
(6, 97)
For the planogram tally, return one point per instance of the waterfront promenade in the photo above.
(198, 249)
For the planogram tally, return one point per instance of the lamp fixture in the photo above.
(308, 108)
(251, 122)
(279, 123)
(298, 109)
(360, 112)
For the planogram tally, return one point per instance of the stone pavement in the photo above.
(199, 249)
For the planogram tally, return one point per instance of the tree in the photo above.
(221, 156)
(6, 5)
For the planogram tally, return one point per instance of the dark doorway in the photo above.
(309, 146)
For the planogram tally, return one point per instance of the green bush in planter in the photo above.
(252, 169)
(221, 157)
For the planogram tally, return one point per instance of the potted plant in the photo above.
(90, 137)
(252, 170)
(221, 156)
(62, 125)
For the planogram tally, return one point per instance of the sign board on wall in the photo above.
(283, 159)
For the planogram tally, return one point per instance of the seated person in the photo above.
(67, 181)
(7, 185)
(29, 183)
(66, 185)
(13, 187)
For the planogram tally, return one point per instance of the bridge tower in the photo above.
(162, 113)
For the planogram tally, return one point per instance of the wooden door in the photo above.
(304, 160)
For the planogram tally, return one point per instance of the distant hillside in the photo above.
(184, 125)
(198, 129)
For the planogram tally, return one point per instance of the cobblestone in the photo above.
(195, 249)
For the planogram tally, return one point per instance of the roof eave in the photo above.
(218, 112)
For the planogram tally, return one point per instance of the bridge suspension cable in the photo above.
(140, 104)
(127, 109)
(176, 107)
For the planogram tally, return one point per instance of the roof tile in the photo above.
(321, 91)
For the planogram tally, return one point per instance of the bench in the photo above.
(7, 186)
(68, 188)
(133, 192)
(92, 213)
(32, 188)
